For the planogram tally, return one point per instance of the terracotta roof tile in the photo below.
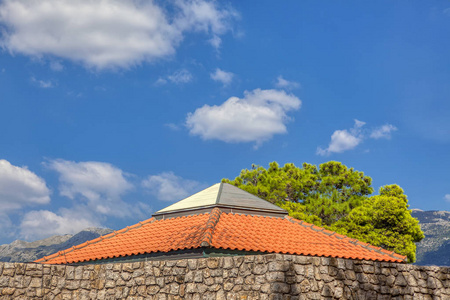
(222, 231)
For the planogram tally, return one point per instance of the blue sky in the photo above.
(111, 110)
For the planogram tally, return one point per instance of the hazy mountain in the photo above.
(434, 249)
(21, 251)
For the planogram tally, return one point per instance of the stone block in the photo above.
(302, 260)
(7, 291)
(390, 280)
(431, 283)
(309, 271)
(217, 272)
(400, 280)
(36, 282)
(368, 269)
(70, 272)
(152, 289)
(280, 287)
(299, 269)
(198, 276)
(74, 284)
(349, 264)
(275, 276)
(201, 263)
(260, 269)
(316, 261)
(209, 281)
(192, 264)
(8, 272)
(327, 291)
(228, 262)
(238, 260)
(20, 268)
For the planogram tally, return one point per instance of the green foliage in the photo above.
(298, 211)
(329, 192)
(337, 197)
(384, 221)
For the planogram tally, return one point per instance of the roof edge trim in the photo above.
(186, 212)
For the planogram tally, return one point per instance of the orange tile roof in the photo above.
(222, 231)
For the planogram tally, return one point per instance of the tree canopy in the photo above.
(385, 221)
(338, 198)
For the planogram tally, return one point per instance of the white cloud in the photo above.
(7, 230)
(20, 187)
(204, 16)
(169, 187)
(108, 33)
(40, 224)
(160, 81)
(172, 126)
(286, 84)
(254, 118)
(215, 41)
(100, 184)
(383, 131)
(343, 140)
(447, 197)
(45, 84)
(177, 77)
(180, 76)
(56, 66)
(222, 76)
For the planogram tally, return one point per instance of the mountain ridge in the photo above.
(434, 249)
(22, 251)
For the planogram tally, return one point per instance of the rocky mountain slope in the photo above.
(434, 249)
(21, 251)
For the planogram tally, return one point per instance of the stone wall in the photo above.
(271, 276)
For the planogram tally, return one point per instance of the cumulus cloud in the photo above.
(222, 76)
(205, 16)
(20, 187)
(255, 118)
(169, 187)
(180, 76)
(383, 131)
(447, 197)
(343, 140)
(39, 224)
(100, 184)
(108, 33)
(45, 84)
(286, 84)
(56, 66)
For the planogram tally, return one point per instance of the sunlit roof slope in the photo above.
(222, 231)
(224, 196)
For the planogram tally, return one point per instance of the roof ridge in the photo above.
(213, 219)
(94, 241)
(354, 241)
(219, 193)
